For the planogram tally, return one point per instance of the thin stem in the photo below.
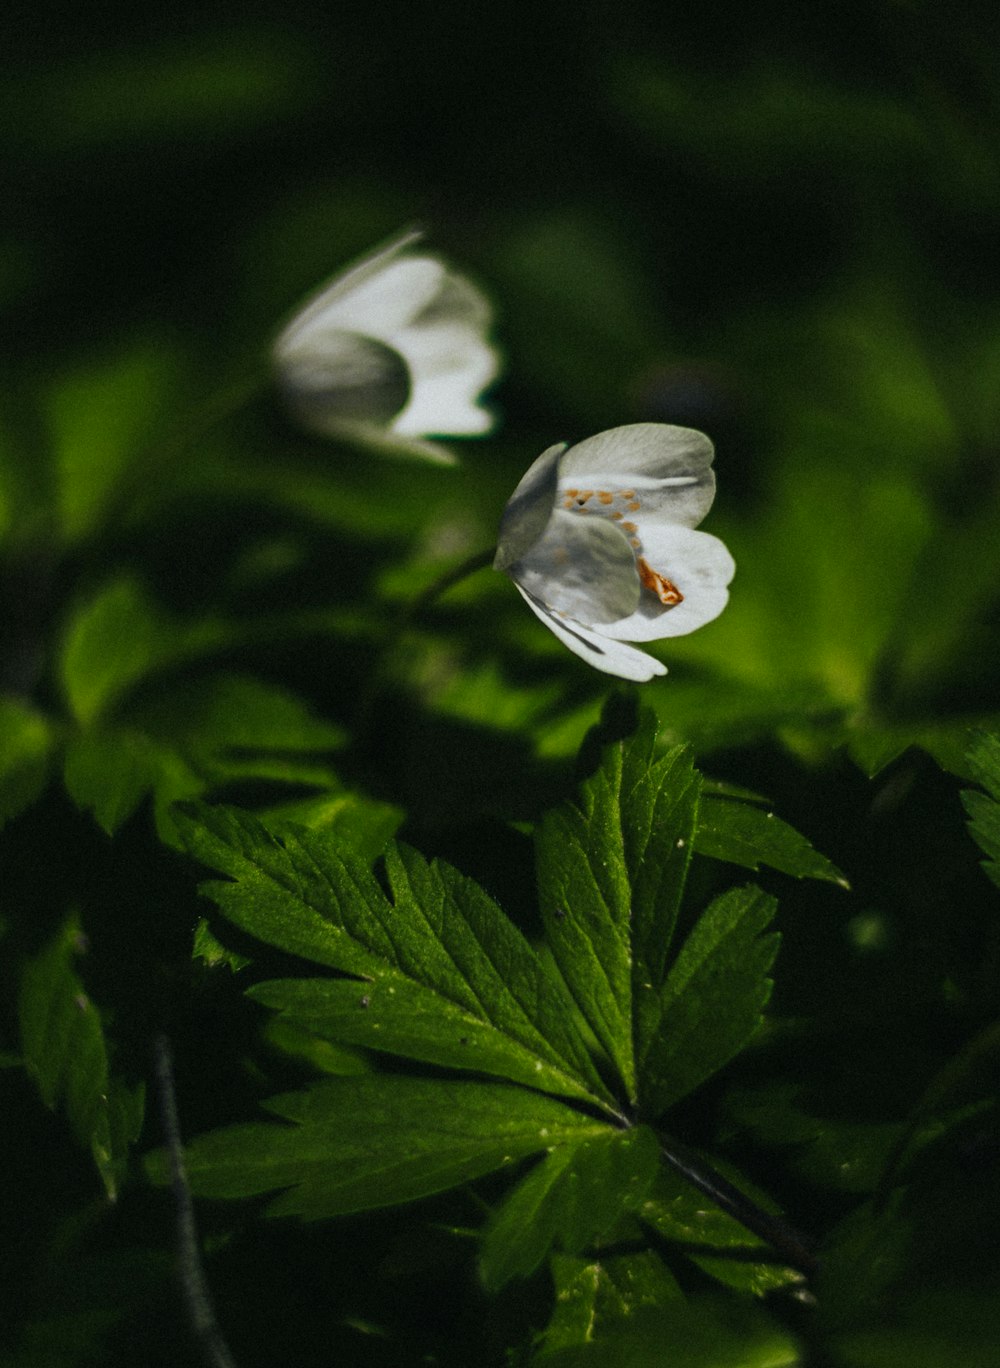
(406, 617)
(445, 582)
(791, 1244)
(194, 1286)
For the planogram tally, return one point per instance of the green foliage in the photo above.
(746, 835)
(435, 972)
(101, 419)
(361, 1143)
(202, 605)
(65, 1051)
(207, 733)
(25, 745)
(701, 1334)
(711, 1003)
(592, 1295)
(570, 1200)
(446, 978)
(984, 808)
(712, 1239)
(118, 638)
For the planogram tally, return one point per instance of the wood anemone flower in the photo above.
(599, 539)
(393, 351)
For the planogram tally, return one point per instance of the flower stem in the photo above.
(404, 620)
(445, 582)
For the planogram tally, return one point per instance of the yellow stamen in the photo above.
(664, 589)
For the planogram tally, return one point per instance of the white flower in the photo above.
(599, 539)
(391, 352)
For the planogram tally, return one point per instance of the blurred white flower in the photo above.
(599, 539)
(391, 352)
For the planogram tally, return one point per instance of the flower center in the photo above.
(615, 504)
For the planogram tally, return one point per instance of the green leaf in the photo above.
(712, 1239)
(102, 417)
(591, 1295)
(365, 824)
(448, 978)
(660, 814)
(207, 947)
(832, 1151)
(586, 905)
(703, 1333)
(361, 1143)
(828, 537)
(228, 722)
(873, 744)
(110, 772)
(25, 745)
(713, 997)
(321, 1055)
(611, 870)
(117, 638)
(570, 1199)
(745, 835)
(984, 808)
(199, 734)
(708, 709)
(66, 1053)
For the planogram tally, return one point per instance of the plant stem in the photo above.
(794, 1247)
(406, 617)
(444, 582)
(194, 1286)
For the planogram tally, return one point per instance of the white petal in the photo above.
(668, 467)
(657, 449)
(582, 567)
(389, 443)
(342, 284)
(414, 303)
(612, 657)
(444, 407)
(528, 509)
(382, 295)
(450, 365)
(457, 301)
(349, 378)
(701, 568)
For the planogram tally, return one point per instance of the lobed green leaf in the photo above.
(202, 733)
(570, 1199)
(713, 997)
(747, 835)
(611, 872)
(358, 1143)
(65, 1051)
(448, 978)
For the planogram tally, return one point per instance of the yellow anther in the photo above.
(664, 589)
